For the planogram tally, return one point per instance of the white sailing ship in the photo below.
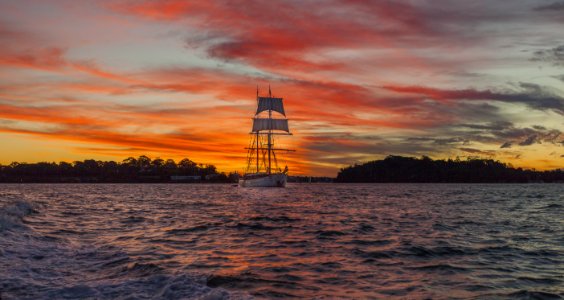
(262, 163)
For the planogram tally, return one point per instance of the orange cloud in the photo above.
(47, 59)
(337, 65)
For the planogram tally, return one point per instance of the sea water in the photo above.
(194, 241)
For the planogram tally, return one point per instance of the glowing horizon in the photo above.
(172, 79)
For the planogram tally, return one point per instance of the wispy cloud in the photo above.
(554, 56)
(361, 79)
(532, 95)
(555, 6)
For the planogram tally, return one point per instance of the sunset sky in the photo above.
(361, 80)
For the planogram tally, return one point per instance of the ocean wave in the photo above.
(541, 280)
(282, 219)
(43, 265)
(248, 279)
(42, 269)
(253, 226)
(370, 242)
(161, 286)
(525, 294)
(181, 231)
(215, 242)
(328, 234)
(12, 214)
(441, 268)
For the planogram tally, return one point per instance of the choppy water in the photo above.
(310, 241)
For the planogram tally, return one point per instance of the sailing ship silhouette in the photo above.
(262, 163)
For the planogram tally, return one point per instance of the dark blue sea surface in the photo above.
(361, 241)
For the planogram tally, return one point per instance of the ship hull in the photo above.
(272, 180)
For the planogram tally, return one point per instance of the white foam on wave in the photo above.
(12, 214)
(181, 286)
(36, 266)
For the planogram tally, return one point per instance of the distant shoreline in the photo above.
(395, 169)
(392, 169)
(294, 182)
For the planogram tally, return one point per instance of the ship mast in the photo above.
(267, 126)
(258, 134)
(269, 130)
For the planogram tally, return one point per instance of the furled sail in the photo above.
(266, 103)
(270, 124)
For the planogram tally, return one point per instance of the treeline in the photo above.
(141, 169)
(410, 169)
(310, 179)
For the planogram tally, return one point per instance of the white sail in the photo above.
(269, 103)
(262, 164)
(270, 124)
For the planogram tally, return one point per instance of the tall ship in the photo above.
(269, 123)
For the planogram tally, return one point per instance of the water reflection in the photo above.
(344, 241)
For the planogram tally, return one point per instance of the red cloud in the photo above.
(43, 59)
(283, 36)
(312, 53)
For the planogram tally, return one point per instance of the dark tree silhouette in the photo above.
(424, 169)
(141, 169)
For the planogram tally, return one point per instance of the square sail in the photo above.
(270, 124)
(269, 103)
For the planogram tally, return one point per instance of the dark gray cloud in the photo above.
(499, 132)
(555, 6)
(554, 56)
(497, 125)
(347, 148)
(439, 141)
(553, 11)
(449, 141)
(509, 135)
(533, 139)
(502, 133)
(477, 151)
(533, 95)
(534, 136)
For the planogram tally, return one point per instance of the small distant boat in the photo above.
(262, 163)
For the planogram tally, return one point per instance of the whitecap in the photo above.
(12, 214)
